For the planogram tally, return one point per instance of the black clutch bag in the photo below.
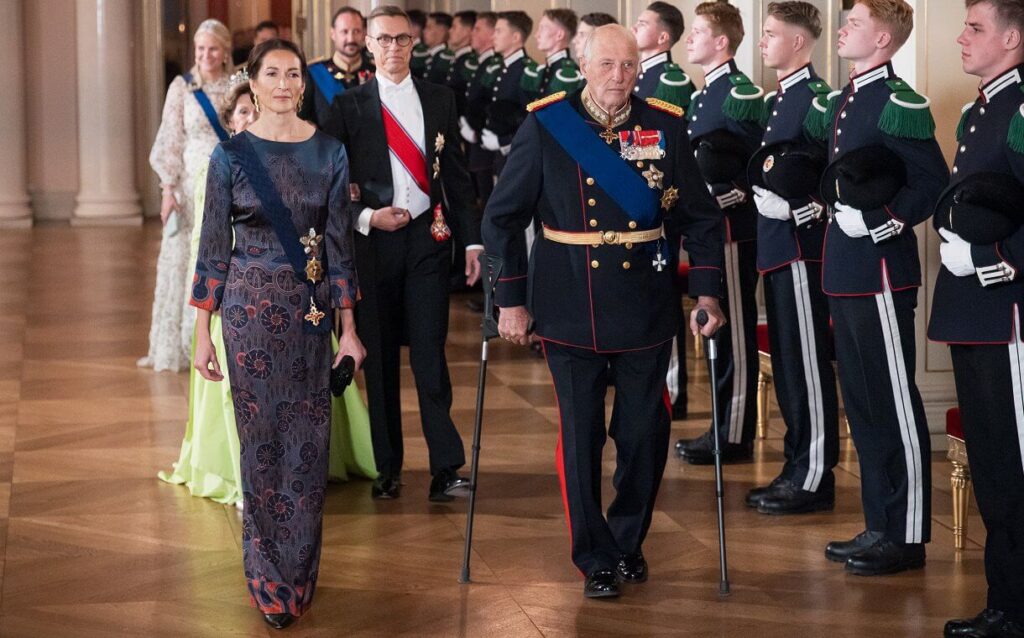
(342, 375)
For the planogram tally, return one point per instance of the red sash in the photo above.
(405, 149)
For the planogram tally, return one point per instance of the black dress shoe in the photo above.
(886, 557)
(386, 486)
(840, 551)
(790, 499)
(632, 568)
(989, 623)
(278, 621)
(683, 446)
(447, 485)
(731, 453)
(755, 495)
(601, 583)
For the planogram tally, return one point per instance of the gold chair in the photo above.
(764, 379)
(960, 479)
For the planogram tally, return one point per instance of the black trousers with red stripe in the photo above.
(875, 351)
(990, 390)
(802, 373)
(640, 425)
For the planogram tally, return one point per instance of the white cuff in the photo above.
(996, 274)
(887, 230)
(363, 221)
(475, 247)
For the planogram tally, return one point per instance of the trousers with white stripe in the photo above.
(875, 351)
(737, 368)
(802, 373)
(990, 389)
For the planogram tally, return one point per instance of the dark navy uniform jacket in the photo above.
(611, 297)
(477, 97)
(314, 106)
(857, 266)
(782, 242)
(963, 311)
(559, 73)
(704, 116)
(459, 75)
(508, 85)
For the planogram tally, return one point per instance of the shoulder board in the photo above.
(1015, 133)
(906, 114)
(963, 120)
(674, 77)
(739, 79)
(819, 87)
(493, 68)
(664, 106)
(319, 60)
(768, 97)
(829, 103)
(744, 103)
(530, 63)
(447, 54)
(472, 66)
(570, 78)
(536, 105)
(672, 66)
(533, 72)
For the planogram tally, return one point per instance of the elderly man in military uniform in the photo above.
(979, 298)
(512, 88)
(555, 32)
(599, 289)
(790, 231)
(724, 125)
(871, 272)
(350, 66)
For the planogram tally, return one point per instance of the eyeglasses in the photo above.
(402, 40)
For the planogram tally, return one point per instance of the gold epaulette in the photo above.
(545, 101)
(322, 58)
(667, 107)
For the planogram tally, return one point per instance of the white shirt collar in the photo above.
(386, 85)
(1010, 78)
(556, 56)
(878, 73)
(515, 56)
(437, 48)
(794, 78)
(723, 69)
(657, 58)
(486, 54)
(463, 51)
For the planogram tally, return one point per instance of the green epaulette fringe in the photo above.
(906, 114)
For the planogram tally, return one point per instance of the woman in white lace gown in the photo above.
(182, 148)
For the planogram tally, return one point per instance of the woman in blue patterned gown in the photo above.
(278, 354)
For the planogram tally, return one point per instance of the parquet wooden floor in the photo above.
(92, 544)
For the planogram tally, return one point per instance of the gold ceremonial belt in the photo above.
(610, 237)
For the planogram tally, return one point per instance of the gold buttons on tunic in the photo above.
(637, 128)
(639, 164)
(625, 265)
(593, 223)
(595, 264)
(590, 181)
(591, 202)
(629, 245)
(632, 225)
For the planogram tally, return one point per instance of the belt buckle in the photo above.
(610, 237)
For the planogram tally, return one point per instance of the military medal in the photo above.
(636, 146)
(654, 177)
(438, 228)
(439, 143)
(438, 147)
(314, 316)
(659, 262)
(314, 269)
(608, 135)
(669, 197)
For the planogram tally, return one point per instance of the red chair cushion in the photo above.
(763, 345)
(683, 274)
(953, 425)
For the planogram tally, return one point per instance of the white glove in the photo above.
(731, 198)
(466, 130)
(771, 205)
(850, 220)
(489, 140)
(956, 254)
(505, 149)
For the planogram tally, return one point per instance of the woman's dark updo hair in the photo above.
(260, 51)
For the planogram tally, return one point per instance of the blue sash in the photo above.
(613, 175)
(278, 214)
(211, 113)
(325, 82)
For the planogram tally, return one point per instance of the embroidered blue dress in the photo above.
(279, 373)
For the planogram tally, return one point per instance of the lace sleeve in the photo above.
(215, 238)
(340, 252)
(168, 154)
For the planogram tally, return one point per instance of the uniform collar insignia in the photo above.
(657, 58)
(483, 56)
(344, 66)
(463, 51)
(1010, 78)
(601, 116)
(720, 71)
(514, 57)
(795, 78)
(881, 72)
(557, 55)
(437, 48)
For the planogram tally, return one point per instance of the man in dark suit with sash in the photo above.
(349, 67)
(604, 173)
(409, 193)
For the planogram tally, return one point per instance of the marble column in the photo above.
(106, 148)
(14, 208)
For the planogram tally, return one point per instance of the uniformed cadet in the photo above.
(627, 165)
(478, 95)
(513, 85)
(871, 271)
(657, 30)
(724, 123)
(979, 298)
(349, 66)
(465, 64)
(418, 62)
(588, 22)
(790, 232)
(555, 32)
(440, 57)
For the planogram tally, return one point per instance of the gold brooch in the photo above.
(653, 176)
(314, 269)
(314, 316)
(669, 197)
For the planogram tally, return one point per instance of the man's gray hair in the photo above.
(607, 31)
